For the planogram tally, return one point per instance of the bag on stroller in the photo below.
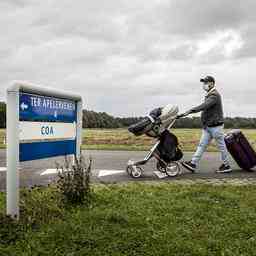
(168, 147)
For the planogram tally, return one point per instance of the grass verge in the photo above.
(141, 219)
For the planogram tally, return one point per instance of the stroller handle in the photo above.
(183, 115)
(172, 123)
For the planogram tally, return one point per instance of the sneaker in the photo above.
(190, 166)
(224, 169)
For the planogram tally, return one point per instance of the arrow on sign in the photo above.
(23, 106)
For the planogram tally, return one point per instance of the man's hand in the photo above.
(184, 114)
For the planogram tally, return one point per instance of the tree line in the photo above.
(92, 119)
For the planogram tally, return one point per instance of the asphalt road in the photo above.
(109, 167)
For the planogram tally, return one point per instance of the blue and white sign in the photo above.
(42, 108)
(41, 123)
(46, 139)
(46, 118)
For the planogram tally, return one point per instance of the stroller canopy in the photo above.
(156, 122)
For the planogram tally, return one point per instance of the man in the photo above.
(213, 123)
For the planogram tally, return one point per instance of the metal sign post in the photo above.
(41, 123)
(12, 179)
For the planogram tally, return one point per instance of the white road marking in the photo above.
(109, 172)
(160, 175)
(49, 171)
(101, 173)
(3, 169)
(46, 172)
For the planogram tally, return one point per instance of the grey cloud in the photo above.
(17, 3)
(249, 36)
(192, 21)
(197, 17)
(125, 57)
(182, 52)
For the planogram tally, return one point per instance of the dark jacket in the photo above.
(212, 110)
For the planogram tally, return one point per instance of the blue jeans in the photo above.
(208, 134)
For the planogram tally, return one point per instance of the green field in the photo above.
(121, 139)
(148, 219)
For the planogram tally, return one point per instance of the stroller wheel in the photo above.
(134, 171)
(172, 169)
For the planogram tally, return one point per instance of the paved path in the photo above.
(109, 167)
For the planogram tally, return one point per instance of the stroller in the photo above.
(166, 150)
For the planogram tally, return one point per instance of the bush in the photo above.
(74, 181)
(37, 204)
(10, 229)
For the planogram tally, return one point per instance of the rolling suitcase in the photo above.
(240, 149)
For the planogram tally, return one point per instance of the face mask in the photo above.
(206, 87)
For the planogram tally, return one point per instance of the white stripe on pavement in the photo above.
(109, 172)
(4, 169)
(49, 171)
(101, 173)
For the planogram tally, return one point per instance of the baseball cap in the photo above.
(207, 79)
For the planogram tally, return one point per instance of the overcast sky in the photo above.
(126, 57)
